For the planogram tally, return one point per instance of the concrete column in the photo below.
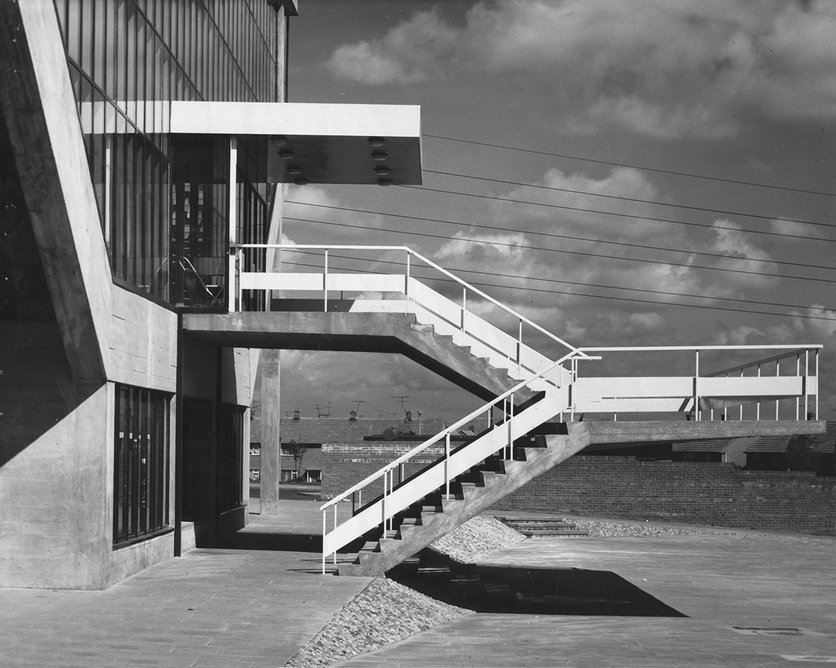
(270, 449)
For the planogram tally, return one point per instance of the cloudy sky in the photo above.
(557, 134)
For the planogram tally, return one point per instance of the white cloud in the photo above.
(653, 67)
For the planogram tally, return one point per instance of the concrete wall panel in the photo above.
(143, 342)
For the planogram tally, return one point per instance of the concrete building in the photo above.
(139, 141)
(144, 145)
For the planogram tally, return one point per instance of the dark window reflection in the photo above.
(127, 58)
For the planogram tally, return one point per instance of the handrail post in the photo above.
(406, 281)
(798, 375)
(335, 527)
(519, 346)
(806, 378)
(816, 405)
(325, 284)
(778, 375)
(741, 405)
(447, 465)
(464, 307)
(383, 505)
(323, 540)
(239, 265)
(511, 427)
(232, 215)
(726, 407)
(758, 403)
(697, 412)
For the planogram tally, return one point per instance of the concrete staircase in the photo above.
(472, 492)
(402, 333)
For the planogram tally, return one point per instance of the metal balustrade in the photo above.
(397, 497)
(566, 392)
(449, 317)
(700, 395)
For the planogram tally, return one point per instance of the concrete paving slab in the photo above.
(750, 600)
(220, 607)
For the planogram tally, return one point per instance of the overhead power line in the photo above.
(567, 252)
(616, 214)
(611, 298)
(624, 198)
(690, 175)
(462, 270)
(570, 237)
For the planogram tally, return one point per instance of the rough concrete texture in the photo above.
(749, 599)
(364, 332)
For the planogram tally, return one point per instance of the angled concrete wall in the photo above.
(59, 367)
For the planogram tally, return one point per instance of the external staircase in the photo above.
(532, 400)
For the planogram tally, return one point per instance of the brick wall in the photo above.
(700, 493)
(691, 492)
(344, 465)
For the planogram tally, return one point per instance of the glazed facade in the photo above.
(162, 199)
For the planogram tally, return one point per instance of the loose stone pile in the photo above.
(613, 529)
(478, 536)
(383, 613)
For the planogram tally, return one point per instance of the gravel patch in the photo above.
(475, 538)
(383, 613)
(614, 529)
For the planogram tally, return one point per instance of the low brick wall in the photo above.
(699, 493)
(690, 492)
(344, 465)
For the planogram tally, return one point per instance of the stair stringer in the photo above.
(475, 500)
(433, 477)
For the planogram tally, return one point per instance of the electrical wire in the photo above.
(462, 270)
(616, 214)
(570, 237)
(657, 170)
(611, 298)
(567, 252)
(629, 199)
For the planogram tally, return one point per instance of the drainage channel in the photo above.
(526, 590)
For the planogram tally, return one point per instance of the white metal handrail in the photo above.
(409, 254)
(792, 350)
(449, 431)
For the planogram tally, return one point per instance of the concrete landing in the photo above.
(353, 332)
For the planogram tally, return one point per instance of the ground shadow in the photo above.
(522, 590)
(282, 542)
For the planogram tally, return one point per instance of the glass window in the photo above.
(141, 464)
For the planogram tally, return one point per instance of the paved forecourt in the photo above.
(750, 599)
(219, 607)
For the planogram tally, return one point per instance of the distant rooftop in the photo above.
(344, 430)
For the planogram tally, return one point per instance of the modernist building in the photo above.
(139, 139)
(143, 148)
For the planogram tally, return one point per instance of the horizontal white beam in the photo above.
(296, 118)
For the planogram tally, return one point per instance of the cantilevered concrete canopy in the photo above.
(317, 143)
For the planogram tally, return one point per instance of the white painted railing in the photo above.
(700, 394)
(397, 497)
(456, 319)
(567, 392)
